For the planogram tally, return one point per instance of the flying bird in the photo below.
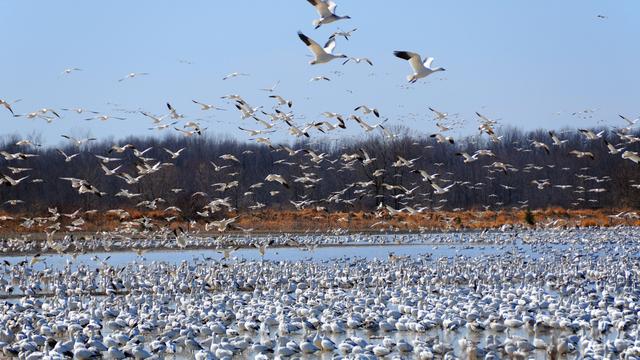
(420, 69)
(326, 10)
(322, 54)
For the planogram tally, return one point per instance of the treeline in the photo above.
(332, 183)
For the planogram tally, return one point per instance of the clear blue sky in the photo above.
(519, 61)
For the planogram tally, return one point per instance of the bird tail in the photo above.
(410, 78)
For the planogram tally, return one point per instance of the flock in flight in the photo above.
(264, 123)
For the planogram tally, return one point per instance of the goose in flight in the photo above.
(109, 172)
(120, 149)
(174, 154)
(322, 54)
(365, 125)
(468, 158)
(439, 115)
(358, 60)
(234, 74)
(367, 110)
(540, 145)
(67, 158)
(277, 178)
(581, 154)
(556, 139)
(612, 149)
(256, 132)
(629, 121)
(590, 135)
(631, 155)
(217, 168)
(78, 142)
(70, 70)
(156, 119)
(13, 182)
(104, 118)
(7, 106)
(440, 190)
(205, 107)
(326, 10)
(441, 139)
(318, 78)
(273, 88)
(344, 34)
(132, 75)
(420, 69)
(281, 100)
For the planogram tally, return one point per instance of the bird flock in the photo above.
(550, 292)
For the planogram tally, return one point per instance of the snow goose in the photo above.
(344, 34)
(78, 142)
(581, 154)
(234, 74)
(318, 78)
(67, 158)
(277, 178)
(442, 139)
(322, 54)
(358, 60)
(439, 115)
(590, 135)
(326, 9)
(556, 139)
(612, 149)
(7, 106)
(631, 155)
(367, 110)
(205, 107)
(132, 75)
(420, 69)
(281, 100)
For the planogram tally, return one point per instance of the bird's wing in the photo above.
(428, 62)
(330, 45)
(311, 44)
(413, 58)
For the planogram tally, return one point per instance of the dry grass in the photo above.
(312, 220)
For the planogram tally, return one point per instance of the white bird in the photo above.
(442, 139)
(367, 110)
(326, 10)
(318, 78)
(322, 54)
(556, 139)
(67, 158)
(439, 115)
(109, 172)
(256, 132)
(132, 75)
(273, 88)
(78, 142)
(420, 69)
(631, 155)
(205, 107)
(612, 149)
(174, 154)
(6, 105)
(277, 178)
(440, 190)
(629, 121)
(364, 124)
(70, 70)
(281, 100)
(581, 154)
(358, 60)
(234, 74)
(345, 34)
(590, 135)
